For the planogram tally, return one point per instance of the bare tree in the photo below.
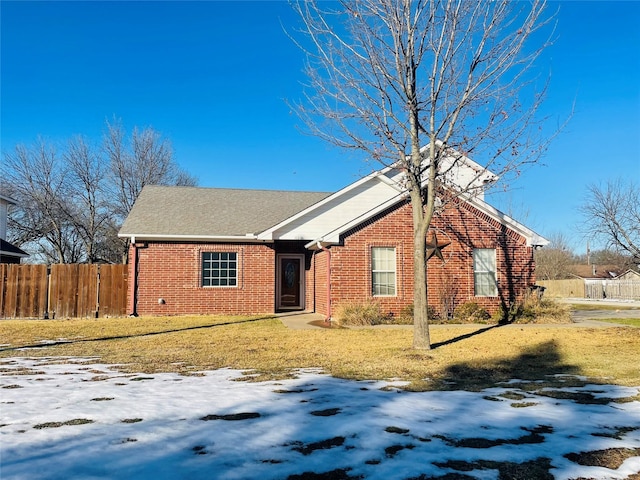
(146, 159)
(87, 209)
(422, 84)
(553, 262)
(71, 205)
(611, 215)
(36, 177)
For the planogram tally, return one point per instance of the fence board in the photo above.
(573, 287)
(23, 291)
(68, 291)
(613, 289)
(112, 294)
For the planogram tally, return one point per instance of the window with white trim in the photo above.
(484, 272)
(219, 269)
(383, 271)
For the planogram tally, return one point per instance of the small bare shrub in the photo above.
(406, 316)
(534, 309)
(359, 314)
(471, 312)
(447, 294)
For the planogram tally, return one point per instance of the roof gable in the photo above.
(629, 275)
(324, 222)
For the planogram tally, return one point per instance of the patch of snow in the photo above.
(154, 426)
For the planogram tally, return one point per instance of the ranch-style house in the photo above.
(232, 251)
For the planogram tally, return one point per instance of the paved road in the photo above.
(625, 310)
(582, 315)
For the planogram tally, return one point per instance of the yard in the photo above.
(219, 397)
(470, 356)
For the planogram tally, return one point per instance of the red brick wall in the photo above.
(450, 283)
(319, 281)
(351, 263)
(172, 272)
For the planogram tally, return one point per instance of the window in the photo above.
(383, 271)
(484, 272)
(219, 269)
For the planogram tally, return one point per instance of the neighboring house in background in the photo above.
(593, 271)
(606, 282)
(629, 275)
(226, 251)
(8, 253)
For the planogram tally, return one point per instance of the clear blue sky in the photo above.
(213, 78)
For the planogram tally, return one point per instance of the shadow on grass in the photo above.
(465, 336)
(135, 335)
(541, 362)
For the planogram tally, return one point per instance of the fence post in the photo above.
(48, 294)
(97, 311)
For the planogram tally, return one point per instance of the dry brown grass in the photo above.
(600, 306)
(469, 356)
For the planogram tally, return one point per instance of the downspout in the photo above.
(134, 289)
(136, 266)
(324, 249)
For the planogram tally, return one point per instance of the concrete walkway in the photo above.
(301, 320)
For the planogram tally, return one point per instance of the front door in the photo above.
(290, 282)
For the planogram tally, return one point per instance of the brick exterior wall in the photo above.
(169, 277)
(319, 280)
(173, 272)
(450, 283)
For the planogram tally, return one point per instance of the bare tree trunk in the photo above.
(421, 338)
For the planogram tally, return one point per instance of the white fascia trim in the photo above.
(250, 237)
(318, 244)
(13, 254)
(471, 163)
(387, 181)
(8, 200)
(533, 239)
(268, 234)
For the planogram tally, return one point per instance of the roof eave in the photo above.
(141, 237)
(532, 238)
(14, 254)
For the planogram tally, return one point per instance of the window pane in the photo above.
(219, 269)
(484, 272)
(484, 260)
(383, 271)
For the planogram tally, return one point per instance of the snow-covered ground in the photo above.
(83, 420)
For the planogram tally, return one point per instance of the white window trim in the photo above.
(237, 270)
(493, 272)
(394, 271)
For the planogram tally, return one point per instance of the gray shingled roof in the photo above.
(161, 210)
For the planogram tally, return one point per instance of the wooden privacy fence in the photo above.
(573, 287)
(592, 288)
(615, 289)
(63, 291)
